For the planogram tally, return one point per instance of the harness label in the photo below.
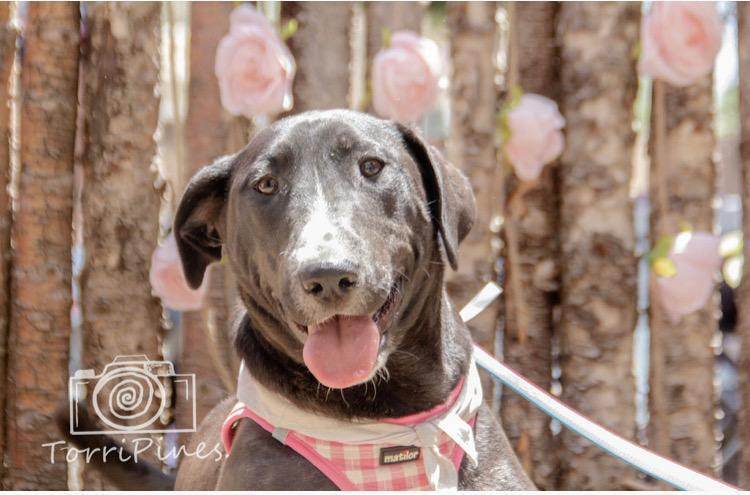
(397, 455)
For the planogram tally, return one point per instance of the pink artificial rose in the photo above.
(254, 67)
(406, 77)
(535, 136)
(168, 280)
(680, 41)
(696, 259)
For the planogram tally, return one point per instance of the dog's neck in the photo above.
(428, 363)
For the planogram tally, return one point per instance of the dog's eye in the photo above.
(370, 167)
(267, 185)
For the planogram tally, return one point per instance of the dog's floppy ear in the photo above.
(197, 224)
(449, 195)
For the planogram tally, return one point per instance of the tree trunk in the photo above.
(207, 124)
(322, 49)
(41, 273)
(682, 359)
(472, 148)
(598, 276)
(206, 340)
(7, 55)
(120, 203)
(532, 224)
(119, 199)
(743, 297)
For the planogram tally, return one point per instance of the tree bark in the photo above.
(120, 204)
(322, 49)
(682, 359)
(598, 276)
(472, 148)
(7, 55)
(41, 273)
(206, 338)
(533, 219)
(743, 296)
(207, 123)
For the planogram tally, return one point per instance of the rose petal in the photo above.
(535, 138)
(406, 77)
(680, 41)
(696, 259)
(168, 279)
(254, 67)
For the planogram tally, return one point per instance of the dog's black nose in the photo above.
(328, 281)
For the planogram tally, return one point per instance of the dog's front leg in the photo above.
(498, 467)
(260, 462)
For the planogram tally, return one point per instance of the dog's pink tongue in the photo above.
(342, 351)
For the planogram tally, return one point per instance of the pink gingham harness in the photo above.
(365, 466)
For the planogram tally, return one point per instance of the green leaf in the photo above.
(661, 248)
(503, 128)
(514, 95)
(664, 267)
(385, 37)
(366, 98)
(731, 244)
(636, 51)
(732, 270)
(512, 100)
(288, 29)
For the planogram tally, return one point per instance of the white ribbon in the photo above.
(440, 470)
(642, 459)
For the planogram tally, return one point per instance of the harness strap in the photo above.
(280, 434)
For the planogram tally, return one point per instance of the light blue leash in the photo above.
(640, 458)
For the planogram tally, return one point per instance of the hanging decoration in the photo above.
(680, 41)
(533, 136)
(406, 77)
(254, 67)
(686, 268)
(168, 280)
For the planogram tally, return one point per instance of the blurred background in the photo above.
(610, 203)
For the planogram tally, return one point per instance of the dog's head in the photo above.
(327, 219)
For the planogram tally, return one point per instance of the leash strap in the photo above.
(640, 458)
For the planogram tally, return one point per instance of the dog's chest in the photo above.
(259, 462)
(376, 467)
(350, 466)
(262, 462)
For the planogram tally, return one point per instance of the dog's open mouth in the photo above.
(343, 350)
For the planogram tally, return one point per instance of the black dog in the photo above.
(337, 226)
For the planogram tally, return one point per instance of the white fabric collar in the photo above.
(440, 470)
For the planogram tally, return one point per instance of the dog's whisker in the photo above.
(406, 353)
(384, 374)
(341, 391)
(403, 275)
(374, 387)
